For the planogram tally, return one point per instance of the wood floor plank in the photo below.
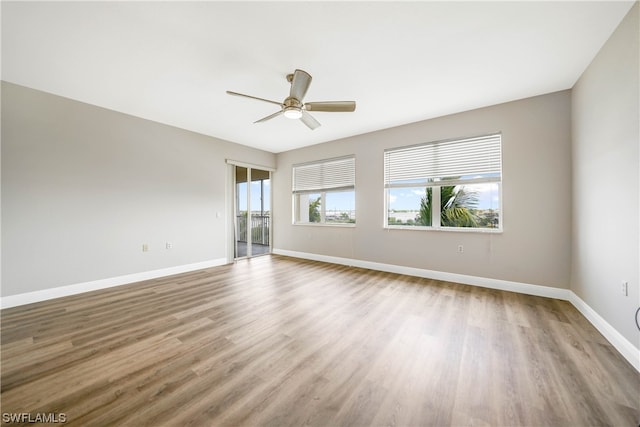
(277, 341)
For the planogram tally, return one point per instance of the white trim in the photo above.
(325, 224)
(624, 346)
(504, 285)
(249, 165)
(441, 229)
(230, 213)
(620, 343)
(63, 291)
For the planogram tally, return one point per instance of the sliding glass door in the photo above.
(252, 212)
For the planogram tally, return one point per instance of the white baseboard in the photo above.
(504, 285)
(624, 346)
(63, 291)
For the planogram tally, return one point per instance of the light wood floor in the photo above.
(277, 341)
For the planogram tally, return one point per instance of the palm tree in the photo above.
(456, 204)
(314, 210)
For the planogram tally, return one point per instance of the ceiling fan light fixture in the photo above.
(292, 113)
(293, 107)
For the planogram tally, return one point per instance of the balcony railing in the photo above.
(259, 228)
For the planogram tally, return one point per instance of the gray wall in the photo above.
(605, 155)
(535, 246)
(83, 188)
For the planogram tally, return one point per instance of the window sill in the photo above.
(449, 229)
(321, 224)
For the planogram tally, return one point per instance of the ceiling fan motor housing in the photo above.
(292, 108)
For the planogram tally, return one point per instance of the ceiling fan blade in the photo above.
(309, 120)
(300, 84)
(331, 106)
(253, 97)
(269, 117)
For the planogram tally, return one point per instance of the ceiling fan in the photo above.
(293, 107)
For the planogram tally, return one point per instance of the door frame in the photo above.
(231, 213)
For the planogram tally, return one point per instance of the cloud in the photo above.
(485, 188)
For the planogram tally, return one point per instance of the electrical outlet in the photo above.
(460, 249)
(625, 289)
(145, 247)
(169, 245)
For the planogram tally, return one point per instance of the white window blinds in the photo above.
(461, 158)
(332, 174)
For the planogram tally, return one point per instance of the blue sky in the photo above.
(400, 198)
(409, 198)
(255, 195)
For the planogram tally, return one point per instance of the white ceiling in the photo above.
(402, 62)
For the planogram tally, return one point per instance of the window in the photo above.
(324, 192)
(454, 184)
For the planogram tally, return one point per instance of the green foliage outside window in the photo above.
(457, 207)
(314, 210)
